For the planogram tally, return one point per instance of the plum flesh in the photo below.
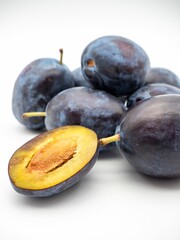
(150, 136)
(38, 82)
(115, 64)
(53, 161)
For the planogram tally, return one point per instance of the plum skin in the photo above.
(79, 79)
(94, 109)
(162, 75)
(38, 82)
(115, 64)
(150, 136)
(149, 91)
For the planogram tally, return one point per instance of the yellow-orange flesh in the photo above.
(52, 157)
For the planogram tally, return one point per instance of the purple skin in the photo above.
(150, 136)
(39, 81)
(61, 186)
(162, 75)
(79, 79)
(115, 64)
(94, 109)
(150, 90)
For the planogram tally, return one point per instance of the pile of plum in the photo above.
(115, 99)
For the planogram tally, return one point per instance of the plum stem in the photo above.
(107, 140)
(61, 56)
(33, 114)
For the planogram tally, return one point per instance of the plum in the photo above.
(115, 64)
(53, 161)
(79, 79)
(162, 75)
(38, 82)
(149, 136)
(94, 109)
(150, 90)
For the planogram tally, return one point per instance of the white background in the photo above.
(113, 201)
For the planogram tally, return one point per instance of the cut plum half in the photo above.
(53, 161)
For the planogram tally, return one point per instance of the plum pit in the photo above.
(49, 158)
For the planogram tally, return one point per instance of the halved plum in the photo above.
(53, 161)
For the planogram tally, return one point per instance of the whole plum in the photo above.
(162, 75)
(79, 79)
(115, 64)
(150, 136)
(150, 90)
(38, 82)
(94, 109)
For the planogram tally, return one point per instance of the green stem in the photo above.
(107, 140)
(34, 114)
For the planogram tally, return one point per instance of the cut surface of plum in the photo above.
(53, 157)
